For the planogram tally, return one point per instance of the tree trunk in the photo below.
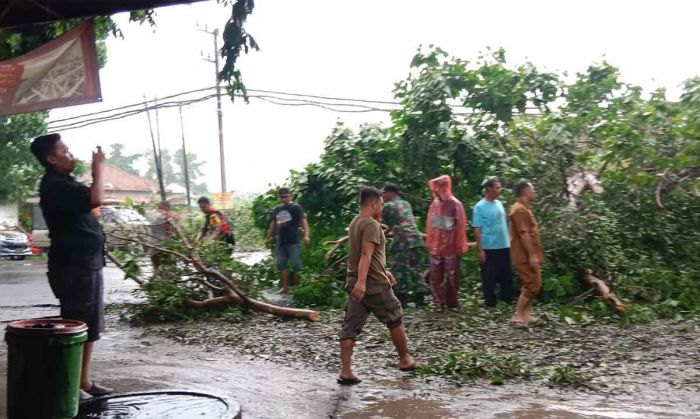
(256, 305)
(604, 290)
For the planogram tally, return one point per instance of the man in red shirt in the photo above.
(215, 224)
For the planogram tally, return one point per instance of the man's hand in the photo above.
(392, 278)
(358, 293)
(307, 240)
(98, 159)
(534, 263)
(482, 256)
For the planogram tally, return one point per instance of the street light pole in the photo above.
(219, 111)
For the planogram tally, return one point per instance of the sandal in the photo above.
(97, 390)
(84, 395)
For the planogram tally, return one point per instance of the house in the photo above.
(120, 184)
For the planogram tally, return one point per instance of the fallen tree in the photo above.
(603, 290)
(220, 288)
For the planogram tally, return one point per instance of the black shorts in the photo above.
(81, 294)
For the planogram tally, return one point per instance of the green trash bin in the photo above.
(43, 369)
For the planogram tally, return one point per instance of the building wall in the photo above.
(138, 196)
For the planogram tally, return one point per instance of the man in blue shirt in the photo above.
(492, 238)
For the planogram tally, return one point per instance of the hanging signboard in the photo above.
(62, 72)
(222, 200)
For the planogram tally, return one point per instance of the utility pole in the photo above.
(219, 112)
(184, 159)
(156, 155)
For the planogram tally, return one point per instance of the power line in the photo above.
(126, 114)
(129, 110)
(273, 92)
(133, 105)
(340, 105)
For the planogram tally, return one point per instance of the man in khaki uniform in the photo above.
(369, 287)
(525, 251)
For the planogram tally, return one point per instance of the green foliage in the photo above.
(319, 291)
(474, 120)
(194, 172)
(165, 304)
(565, 375)
(249, 238)
(21, 171)
(236, 39)
(470, 365)
(116, 157)
(173, 170)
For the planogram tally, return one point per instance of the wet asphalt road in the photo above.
(131, 359)
(25, 291)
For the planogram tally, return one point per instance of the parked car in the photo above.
(122, 221)
(14, 243)
(40, 231)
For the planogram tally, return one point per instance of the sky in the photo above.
(357, 49)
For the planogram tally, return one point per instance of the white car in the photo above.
(14, 244)
(121, 221)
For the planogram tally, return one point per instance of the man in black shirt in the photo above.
(285, 221)
(76, 256)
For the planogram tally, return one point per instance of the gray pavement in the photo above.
(25, 291)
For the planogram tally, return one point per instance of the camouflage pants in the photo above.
(408, 265)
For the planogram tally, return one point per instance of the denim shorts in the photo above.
(286, 253)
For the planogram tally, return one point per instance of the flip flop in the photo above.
(97, 390)
(416, 365)
(348, 381)
(84, 395)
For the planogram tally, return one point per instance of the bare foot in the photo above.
(348, 381)
(518, 324)
(283, 291)
(409, 364)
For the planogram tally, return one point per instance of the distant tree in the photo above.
(166, 161)
(194, 169)
(125, 162)
(20, 171)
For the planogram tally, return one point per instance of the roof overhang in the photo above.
(29, 12)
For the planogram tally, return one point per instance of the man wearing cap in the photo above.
(76, 256)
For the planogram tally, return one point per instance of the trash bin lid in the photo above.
(46, 327)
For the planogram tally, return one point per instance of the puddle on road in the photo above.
(402, 408)
(251, 258)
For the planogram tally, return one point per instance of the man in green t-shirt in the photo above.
(407, 256)
(369, 287)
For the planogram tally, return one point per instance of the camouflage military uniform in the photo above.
(406, 256)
